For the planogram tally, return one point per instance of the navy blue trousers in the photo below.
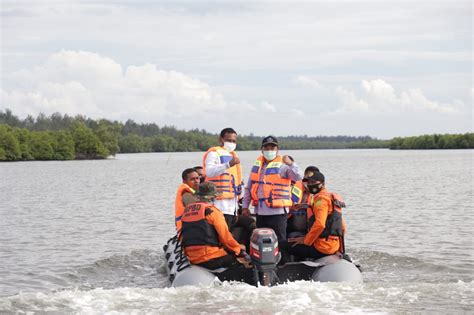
(276, 222)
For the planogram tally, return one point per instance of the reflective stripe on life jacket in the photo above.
(301, 219)
(196, 230)
(179, 204)
(276, 190)
(334, 218)
(230, 182)
(297, 192)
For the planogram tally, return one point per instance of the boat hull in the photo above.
(333, 268)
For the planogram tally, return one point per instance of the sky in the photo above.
(378, 68)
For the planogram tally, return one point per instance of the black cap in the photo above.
(316, 176)
(208, 189)
(311, 168)
(269, 140)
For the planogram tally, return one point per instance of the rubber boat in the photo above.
(265, 270)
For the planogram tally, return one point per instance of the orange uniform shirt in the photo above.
(322, 207)
(202, 253)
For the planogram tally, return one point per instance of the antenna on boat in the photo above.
(169, 158)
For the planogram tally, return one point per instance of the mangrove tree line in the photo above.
(64, 137)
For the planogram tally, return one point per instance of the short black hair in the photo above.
(198, 167)
(227, 130)
(186, 172)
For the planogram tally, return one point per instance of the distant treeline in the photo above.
(64, 137)
(427, 142)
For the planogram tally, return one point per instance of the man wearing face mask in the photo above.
(222, 167)
(269, 188)
(326, 233)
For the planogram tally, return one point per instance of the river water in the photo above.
(87, 236)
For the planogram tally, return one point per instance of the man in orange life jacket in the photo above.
(222, 167)
(206, 238)
(269, 188)
(325, 236)
(185, 194)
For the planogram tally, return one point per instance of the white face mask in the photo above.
(270, 155)
(230, 146)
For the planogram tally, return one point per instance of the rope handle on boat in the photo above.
(182, 261)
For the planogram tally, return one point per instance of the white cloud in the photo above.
(307, 82)
(90, 84)
(297, 112)
(261, 67)
(378, 96)
(270, 108)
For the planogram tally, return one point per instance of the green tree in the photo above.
(87, 144)
(8, 118)
(41, 145)
(108, 133)
(23, 136)
(132, 143)
(9, 144)
(163, 143)
(63, 146)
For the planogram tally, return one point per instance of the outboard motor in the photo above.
(265, 256)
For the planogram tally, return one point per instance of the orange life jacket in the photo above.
(276, 190)
(196, 230)
(334, 225)
(331, 238)
(230, 182)
(179, 205)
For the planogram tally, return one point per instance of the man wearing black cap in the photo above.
(269, 187)
(325, 236)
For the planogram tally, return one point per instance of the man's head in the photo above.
(270, 147)
(191, 178)
(200, 171)
(309, 171)
(207, 192)
(228, 139)
(314, 181)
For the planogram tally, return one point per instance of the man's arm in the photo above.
(189, 198)
(247, 195)
(214, 167)
(290, 170)
(320, 210)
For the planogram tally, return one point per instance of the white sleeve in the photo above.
(213, 165)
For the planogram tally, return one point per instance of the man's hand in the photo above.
(296, 240)
(244, 259)
(246, 212)
(287, 160)
(298, 206)
(235, 160)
